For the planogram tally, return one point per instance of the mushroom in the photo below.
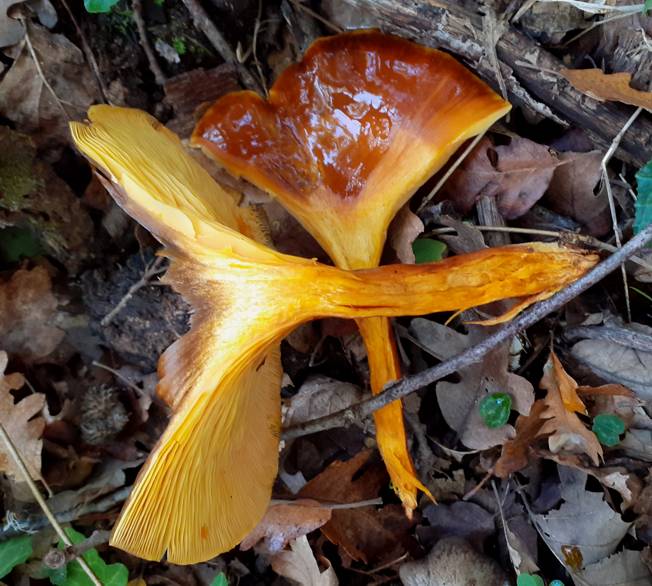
(208, 480)
(343, 141)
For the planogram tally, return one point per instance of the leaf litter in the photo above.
(586, 500)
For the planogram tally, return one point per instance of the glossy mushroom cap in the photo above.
(349, 133)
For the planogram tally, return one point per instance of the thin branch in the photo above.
(327, 23)
(612, 206)
(151, 271)
(334, 506)
(205, 25)
(20, 463)
(155, 68)
(474, 354)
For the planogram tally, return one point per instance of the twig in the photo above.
(205, 25)
(88, 53)
(123, 378)
(20, 463)
(153, 269)
(254, 46)
(327, 23)
(610, 197)
(450, 171)
(57, 558)
(474, 354)
(334, 506)
(34, 524)
(155, 68)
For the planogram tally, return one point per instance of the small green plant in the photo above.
(495, 409)
(13, 552)
(179, 45)
(608, 429)
(428, 250)
(529, 580)
(220, 580)
(99, 6)
(643, 215)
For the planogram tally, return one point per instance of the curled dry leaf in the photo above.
(563, 427)
(300, 567)
(624, 568)
(517, 175)
(21, 424)
(403, 231)
(285, 522)
(27, 310)
(608, 86)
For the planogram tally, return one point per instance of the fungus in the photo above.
(345, 138)
(208, 480)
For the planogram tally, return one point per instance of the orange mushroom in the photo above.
(343, 141)
(208, 481)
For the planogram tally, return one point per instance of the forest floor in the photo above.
(541, 493)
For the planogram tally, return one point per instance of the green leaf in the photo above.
(14, 551)
(495, 409)
(428, 250)
(643, 214)
(529, 580)
(220, 580)
(608, 429)
(647, 7)
(99, 6)
(74, 575)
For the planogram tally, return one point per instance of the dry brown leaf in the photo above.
(370, 534)
(24, 97)
(402, 232)
(517, 175)
(27, 309)
(608, 86)
(516, 453)
(285, 522)
(571, 191)
(300, 567)
(20, 424)
(564, 429)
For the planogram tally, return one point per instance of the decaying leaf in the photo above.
(319, 396)
(21, 424)
(214, 466)
(27, 310)
(608, 86)
(453, 562)
(285, 522)
(571, 191)
(563, 427)
(300, 566)
(584, 521)
(24, 97)
(403, 231)
(619, 363)
(370, 534)
(517, 175)
(459, 402)
(12, 30)
(624, 568)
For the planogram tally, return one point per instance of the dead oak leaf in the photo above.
(18, 420)
(563, 427)
(285, 522)
(27, 308)
(612, 87)
(516, 174)
(403, 231)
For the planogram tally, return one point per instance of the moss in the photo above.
(17, 176)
